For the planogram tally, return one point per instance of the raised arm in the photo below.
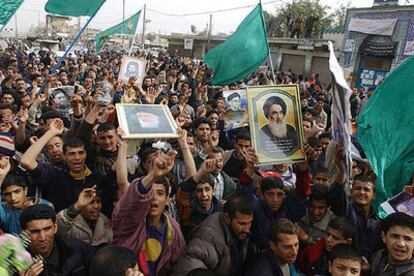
(189, 163)
(121, 164)
(29, 157)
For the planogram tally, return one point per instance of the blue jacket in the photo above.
(367, 236)
(10, 217)
(265, 264)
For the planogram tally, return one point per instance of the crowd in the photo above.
(196, 205)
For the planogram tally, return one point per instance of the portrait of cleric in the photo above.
(146, 120)
(132, 69)
(235, 115)
(277, 137)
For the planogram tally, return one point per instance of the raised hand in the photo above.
(180, 121)
(85, 197)
(34, 270)
(57, 127)
(162, 164)
(23, 115)
(4, 166)
(150, 95)
(182, 136)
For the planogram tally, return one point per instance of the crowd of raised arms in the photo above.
(196, 205)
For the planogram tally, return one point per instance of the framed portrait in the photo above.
(60, 97)
(132, 66)
(402, 202)
(275, 121)
(235, 104)
(140, 121)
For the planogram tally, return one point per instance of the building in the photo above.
(301, 56)
(376, 41)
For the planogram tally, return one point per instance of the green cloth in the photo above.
(7, 10)
(386, 132)
(242, 53)
(74, 7)
(128, 26)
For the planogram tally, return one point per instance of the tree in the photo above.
(339, 16)
(304, 8)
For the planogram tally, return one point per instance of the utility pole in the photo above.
(15, 23)
(143, 29)
(209, 32)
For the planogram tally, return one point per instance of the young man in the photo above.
(196, 200)
(14, 192)
(62, 186)
(104, 153)
(234, 162)
(140, 223)
(220, 243)
(398, 237)
(367, 237)
(84, 220)
(313, 260)
(317, 217)
(60, 256)
(345, 260)
(281, 255)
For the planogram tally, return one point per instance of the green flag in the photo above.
(386, 132)
(242, 52)
(128, 26)
(7, 10)
(74, 7)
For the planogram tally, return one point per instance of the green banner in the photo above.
(242, 53)
(8, 9)
(74, 7)
(128, 26)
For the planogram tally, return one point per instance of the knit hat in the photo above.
(6, 144)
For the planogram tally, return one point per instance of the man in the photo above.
(318, 215)
(288, 176)
(345, 260)
(398, 236)
(103, 152)
(196, 200)
(277, 137)
(84, 220)
(14, 192)
(234, 160)
(314, 259)
(202, 133)
(314, 154)
(220, 243)
(62, 186)
(281, 254)
(157, 238)
(319, 113)
(224, 186)
(273, 203)
(60, 256)
(114, 261)
(358, 209)
(235, 116)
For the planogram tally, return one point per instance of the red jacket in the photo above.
(309, 255)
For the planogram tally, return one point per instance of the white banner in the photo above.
(188, 43)
(372, 26)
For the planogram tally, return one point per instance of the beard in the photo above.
(278, 130)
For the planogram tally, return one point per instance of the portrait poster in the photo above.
(235, 104)
(275, 121)
(60, 98)
(132, 67)
(402, 202)
(141, 121)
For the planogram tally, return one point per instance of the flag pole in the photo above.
(271, 65)
(71, 45)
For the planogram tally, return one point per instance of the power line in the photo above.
(210, 12)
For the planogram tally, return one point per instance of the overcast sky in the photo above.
(32, 13)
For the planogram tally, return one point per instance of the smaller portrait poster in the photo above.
(349, 45)
(402, 202)
(132, 67)
(60, 98)
(141, 121)
(235, 114)
(275, 121)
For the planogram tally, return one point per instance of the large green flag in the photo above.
(7, 10)
(74, 7)
(128, 26)
(242, 52)
(386, 131)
